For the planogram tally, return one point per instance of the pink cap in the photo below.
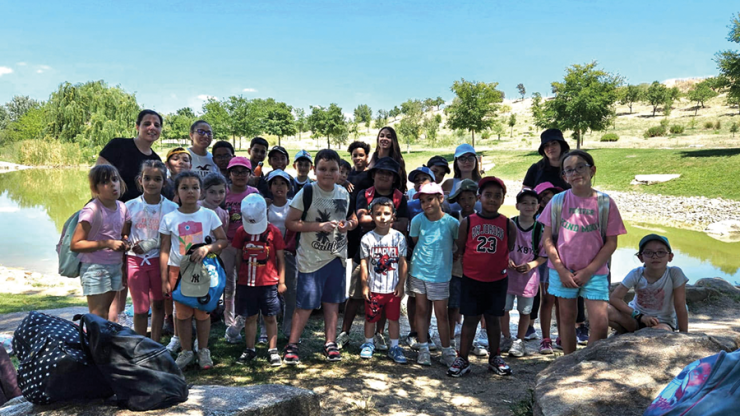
(240, 161)
(544, 186)
(429, 189)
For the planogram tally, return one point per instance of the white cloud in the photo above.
(22, 64)
(42, 69)
(249, 90)
(5, 70)
(205, 97)
(39, 71)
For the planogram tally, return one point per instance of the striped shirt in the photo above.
(258, 265)
(382, 253)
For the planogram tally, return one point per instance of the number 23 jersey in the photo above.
(486, 256)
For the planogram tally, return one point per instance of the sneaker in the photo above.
(247, 356)
(396, 354)
(506, 344)
(366, 350)
(582, 334)
(332, 353)
(448, 357)
(531, 334)
(498, 366)
(479, 350)
(195, 346)
(460, 366)
(290, 355)
(432, 345)
(168, 328)
(558, 345)
(412, 341)
(204, 359)
(184, 359)
(518, 349)
(174, 345)
(458, 330)
(262, 340)
(424, 358)
(275, 360)
(233, 334)
(546, 346)
(380, 342)
(342, 340)
(482, 338)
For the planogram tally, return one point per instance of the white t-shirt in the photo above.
(382, 253)
(655, 299)
(203, 165)
(316, 250)
(187, 230)
(145, 219)
(276, 216)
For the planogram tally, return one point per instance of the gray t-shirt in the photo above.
(655, 299)
(382, 253)
(203, 165)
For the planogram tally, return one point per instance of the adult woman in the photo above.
(552, 147)
(386, 145)
(465, 166)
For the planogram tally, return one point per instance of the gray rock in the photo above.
(720, 285)
(260, 400)
(620, 375)
(651, 179)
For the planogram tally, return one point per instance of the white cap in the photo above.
(254, 214)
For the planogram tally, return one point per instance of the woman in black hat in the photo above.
(553, 146)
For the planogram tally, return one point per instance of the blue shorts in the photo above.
(251, 300)
(97, 279)
(455, 292)
(326, 285)
(597, 288)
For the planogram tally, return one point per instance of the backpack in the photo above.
(217, 275)
(706, 387)
(370, 195)
(291, 237)
(139, 370)
(557, 208)
(69, 262)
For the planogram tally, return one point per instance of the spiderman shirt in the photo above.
(382, 253)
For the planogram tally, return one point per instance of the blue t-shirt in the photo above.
(432, 258)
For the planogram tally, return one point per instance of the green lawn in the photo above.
(24, 303)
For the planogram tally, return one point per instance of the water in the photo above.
(34, 204)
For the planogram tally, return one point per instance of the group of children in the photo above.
(284, 243)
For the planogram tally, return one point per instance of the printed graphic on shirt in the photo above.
(255, 255)
(189, 233)
(204, 169)
(325, 209)
(651, 298)
(487, 236)
(384, 259)
(235, 212)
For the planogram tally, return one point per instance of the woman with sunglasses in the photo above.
(201, 136)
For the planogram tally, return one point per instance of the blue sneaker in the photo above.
(366, 350)
(396, 354)
(582, 334)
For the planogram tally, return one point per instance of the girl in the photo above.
(577, 261)
(387, 145)
(201, 136)
(214, 193)
(178, 160)
(101, 236)
(465, 167)
(179, 230)
(144, 279)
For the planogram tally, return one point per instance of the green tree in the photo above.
(364, 114)
(512, 122)
(395, 112)
(474, 108)
(498, 129)
(218, 116)
(428, 104)
(279, 121)
(728, 63)
(656, 95)
(4, 117)
(438, 102)
(699, 93)
(336, 126)
(521, 90)
(630, 95)
(430, 125)
(20, 105)
(300, 121)
(410, 126)
(177, 126)
(29, 126)
(381, 120)
(317, 122)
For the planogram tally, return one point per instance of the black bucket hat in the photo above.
(439, 161)
(551, 135)
(386, 163)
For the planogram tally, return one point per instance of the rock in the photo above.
(260, 400)
(620, 375)
(652, 179)
(727, 230)
(720, 285)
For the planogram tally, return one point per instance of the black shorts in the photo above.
(251, 300)
(483, 298)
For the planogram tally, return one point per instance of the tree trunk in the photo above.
(408, 147)
(696, 110)
(233, 140)
(630, 108)
(279, 141)
(655, 107)
(511, 135)
(328, 144)
(578, 139)
(473, 133)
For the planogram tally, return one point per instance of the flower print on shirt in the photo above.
(189, 233)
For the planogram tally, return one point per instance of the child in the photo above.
(179, 230)
(223, 151)
(261, 275)
(201, 136)
(577, 260)
(101, 236)
(524, 278)
(660, 292)
(484, 244)
(144, 279)
(383, 264)
(178, 160)
(278, 159)
(360, 152)
(344, 169)
(440, 167)
(321, 253)
(214, 194)
(419, 177)
(302, 165)
(257, 153)
(433, 234)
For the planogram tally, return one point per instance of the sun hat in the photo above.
(195, 281)
(386, 163)
(439, 161)
(544, 186)
(553, 135)
(431, 188)
(254, 214)
(278, 173)
(464, 149)
(302, 154)
(421, 171)
(279, 149)
(489, 179)
(465, 185)
(524, 192)
(654, 237)
(239, 161)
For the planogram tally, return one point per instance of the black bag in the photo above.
(140, 371)
(53, 365)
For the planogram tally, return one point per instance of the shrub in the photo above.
(664, 123)
(655, 131)
(692, 123)
(677, 129)
(717, 125)
(733, 129)
(708, 125)
(51, 153)
(609, 137)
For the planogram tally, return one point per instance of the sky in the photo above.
(175, 54)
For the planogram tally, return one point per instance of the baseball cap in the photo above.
(654, 237)
(464, 149)
(176, 151)
(422, 170)
(544, 186)
(195, 281)
(279, 149)
(431, 188)
(254, 214)
(524, 192)
(302, 154)
(239, 161)
(489, 179)
(439, 161)
(465, 185)
(278, 173)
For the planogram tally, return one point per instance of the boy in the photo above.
(383, 264)
(484, 244)
(419, 177)
(344, 169)
(257, 152)
(261, 275)
(277, 157)
(660, 292)
(359, 151)
(302, 165)
(524, 279)
(223, 151)
(433, 233)
(440, 167)
(321, 253)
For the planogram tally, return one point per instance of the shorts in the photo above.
(543, 271)
(433, 290)
(355, 283)
(97, 279)
(523, 304)
(382, 301)
(326, 285)
(454, 301)
(144, 282)
(483, 298)
(251, 300)
(597, 288)
(183, 311)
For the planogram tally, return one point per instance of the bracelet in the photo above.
(635, 312)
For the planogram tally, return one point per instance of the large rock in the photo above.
(619, 376)
(720, 285)
(727, 231)
(655, 178)
(261, 400)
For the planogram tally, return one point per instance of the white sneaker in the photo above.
(458, 330)
(380, 344)
(479, 350)
(342, 340)
(506, 343)
(448, 357)
(174, 345)
(518, 349)
(184, 359)
(233, 335)
(204, 359)
(482, 338)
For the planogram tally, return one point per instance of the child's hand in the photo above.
(366, 292)
(137, 248)
(166, 290)
(343, 226)
(328, 226)
(349, 187)
(116, 245)
(398, 292)
(567, 279)
(512, 265)
(199, 254)
(456, 256)
(582, 277)
(524, 268)
(282, 288)
(649, 321)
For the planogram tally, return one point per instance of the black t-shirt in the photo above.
(542, 172)
(265, 191)
(361, 203)
(127, 158)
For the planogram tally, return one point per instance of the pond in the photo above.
(34, 204)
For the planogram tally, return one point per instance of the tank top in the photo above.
(486, 256)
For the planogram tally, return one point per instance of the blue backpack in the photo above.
(705, 387)
(209, 302)
(69, 262)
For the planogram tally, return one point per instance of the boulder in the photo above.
(651, 179)
(727, 230)
(720, 285)
(261, 400)
(620, 375)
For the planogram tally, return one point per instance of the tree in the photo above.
(410, 127)
(300, 121)
(630, 95)
(428, 104)
(317, 122)
(279, 121)
(381, 120)
(219, 117)
(20, 105)
(521, 90)
(439, 101)
(498, 129)
(584, 100)
(336, 126)
(430, 125)
(728, 63)
(29, 126)
(177, 126)
(474, 108)
(364, 114)
(656, 95)
(512, 122)
(395, 112)
(701, 92)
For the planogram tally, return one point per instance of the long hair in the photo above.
(476, 170)
(395, 154)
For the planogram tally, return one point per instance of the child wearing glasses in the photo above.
(581, 230)
(660, 292)
(201, 136)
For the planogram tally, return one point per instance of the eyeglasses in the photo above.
(580, 169)
(650, 254)
(466, 159)
(204, 132)
(240, 172)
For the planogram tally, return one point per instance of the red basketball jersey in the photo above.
(486, 256)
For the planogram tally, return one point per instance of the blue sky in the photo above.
(173, 54)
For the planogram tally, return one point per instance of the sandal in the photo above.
(290, 356)
(332, 352)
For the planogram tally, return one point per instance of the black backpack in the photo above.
(140, 371)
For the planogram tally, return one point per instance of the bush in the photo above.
(609, 137)
(708, 125)
(664, 123)
(717, 125)
(692, 123)
(52, 153)
(655, 132)
(677, 129)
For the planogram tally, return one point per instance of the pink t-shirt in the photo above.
(234, 208)
(110, 225)
(579, 238)
(524, 284)
(222, 215)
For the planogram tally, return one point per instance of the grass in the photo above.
(25, 303)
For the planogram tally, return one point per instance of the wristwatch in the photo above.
(635, 312)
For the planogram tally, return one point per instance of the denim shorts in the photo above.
(326, 285)
(523, 305)
(597, 288)
(97, 279)
(251, 300)
(455, 292)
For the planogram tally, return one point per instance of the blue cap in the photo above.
(655, 237)
(464, 149)
(278, 172)
(302, 154)
(425, 170)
